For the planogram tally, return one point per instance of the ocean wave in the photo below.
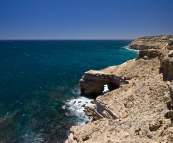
(127, 47)
(76, 91)
(30, 136)
(75, 106)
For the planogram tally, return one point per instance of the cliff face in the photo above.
(157, 46)
(139, 108)
(151, 42)
(92, 83)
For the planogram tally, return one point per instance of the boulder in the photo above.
(153, 126)
(170, 54)
(170, 43)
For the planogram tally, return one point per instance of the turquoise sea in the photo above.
(37, 78)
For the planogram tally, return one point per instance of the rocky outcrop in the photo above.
(151, 42)
(104, 111)
(139, 109)
(92, 83)
(157, 46)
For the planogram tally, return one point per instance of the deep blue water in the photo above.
(37, 77)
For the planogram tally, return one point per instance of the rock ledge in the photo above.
(139, 107)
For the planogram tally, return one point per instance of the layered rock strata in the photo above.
(92, 83)
(151, 42)
(139, 109)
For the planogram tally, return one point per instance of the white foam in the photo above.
(76, 91)
(105, 89)
(127, 47)
(30, 137)
(8, 115)
(75, 108)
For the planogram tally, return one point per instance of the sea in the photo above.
(40, 97)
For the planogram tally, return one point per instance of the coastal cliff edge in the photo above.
(139, 106)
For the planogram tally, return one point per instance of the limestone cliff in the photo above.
(151, 42)
(139, 107)
(92, 82)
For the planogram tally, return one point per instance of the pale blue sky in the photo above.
(85, 19)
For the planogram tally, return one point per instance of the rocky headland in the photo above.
(139, 106)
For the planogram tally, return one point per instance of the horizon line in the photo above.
(58, 39)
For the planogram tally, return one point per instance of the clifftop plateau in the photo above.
(139, 107)
(151, 42)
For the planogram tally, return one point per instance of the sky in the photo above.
(85, 19)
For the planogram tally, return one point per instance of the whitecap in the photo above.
(29, 137)
(127, 47)
(105, 89)
(75, 108)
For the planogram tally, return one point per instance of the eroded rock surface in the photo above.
(139, 109)
(92, 83)
(152, 42)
